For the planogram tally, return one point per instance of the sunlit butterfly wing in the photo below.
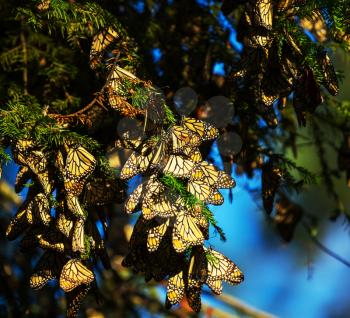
(100, 42)
(78, 244)
(175, 289)
(263, 14)
(181, 137)
(185, 232)
(178, 166)
(39, 210)
(64, 224)
(215, 198)
(225, 181)
(200, 189)
(130, 168)
(155, 235)
(73, 205)
(79, 164)
(74, 273)
(220, 268)
(204, 130)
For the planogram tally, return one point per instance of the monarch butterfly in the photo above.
(175, 289)
(18, 223)
(271, 179)
(75, 298)
(215, 198)
(130, 167)
(193, 296)
(288, 215)
(149, 187)
(200, 219)
(47, 268)
(186, 233)
(200, 189)
(206, 172)
(101, 192)
(74, 273)
(64, 224)
(54, 240)
(220, 268)
(225, 181)
(181, 137)
(30, 239)
(263, 14)
(192, 153)
(178, 166)
(284, 5)
(74, 206)
(204, 130)
(155, 235)
(23, 175)
(21, 150)
(164, 206)
(78, 244)
(99, 43)
(38, 211)
(79, 164)
(115, 91)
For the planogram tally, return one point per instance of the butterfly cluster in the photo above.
(168, 238)
(273, 66)
(59, 214)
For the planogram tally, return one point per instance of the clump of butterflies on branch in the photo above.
(273, 64)
(68, 183)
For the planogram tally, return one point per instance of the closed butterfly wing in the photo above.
(64, 224)
(155, 235)
(18, 223)
(78, 244)
(23, 176)
(204, 130)
(263, 14)
(225, 181)
(220, 268)
(193, 296)
(100, 42)
(130, 168)
(206, 172)
(55, 241)
(74, 273)
(79, 164)
(200, 189)
(75, 298)
(161, 206)
(215, 198)
(74, 206)
(186, 233)
(175, 289)
(181, 138)
(192, 153)
(47, 268)
(178, 167)
(39, 211)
